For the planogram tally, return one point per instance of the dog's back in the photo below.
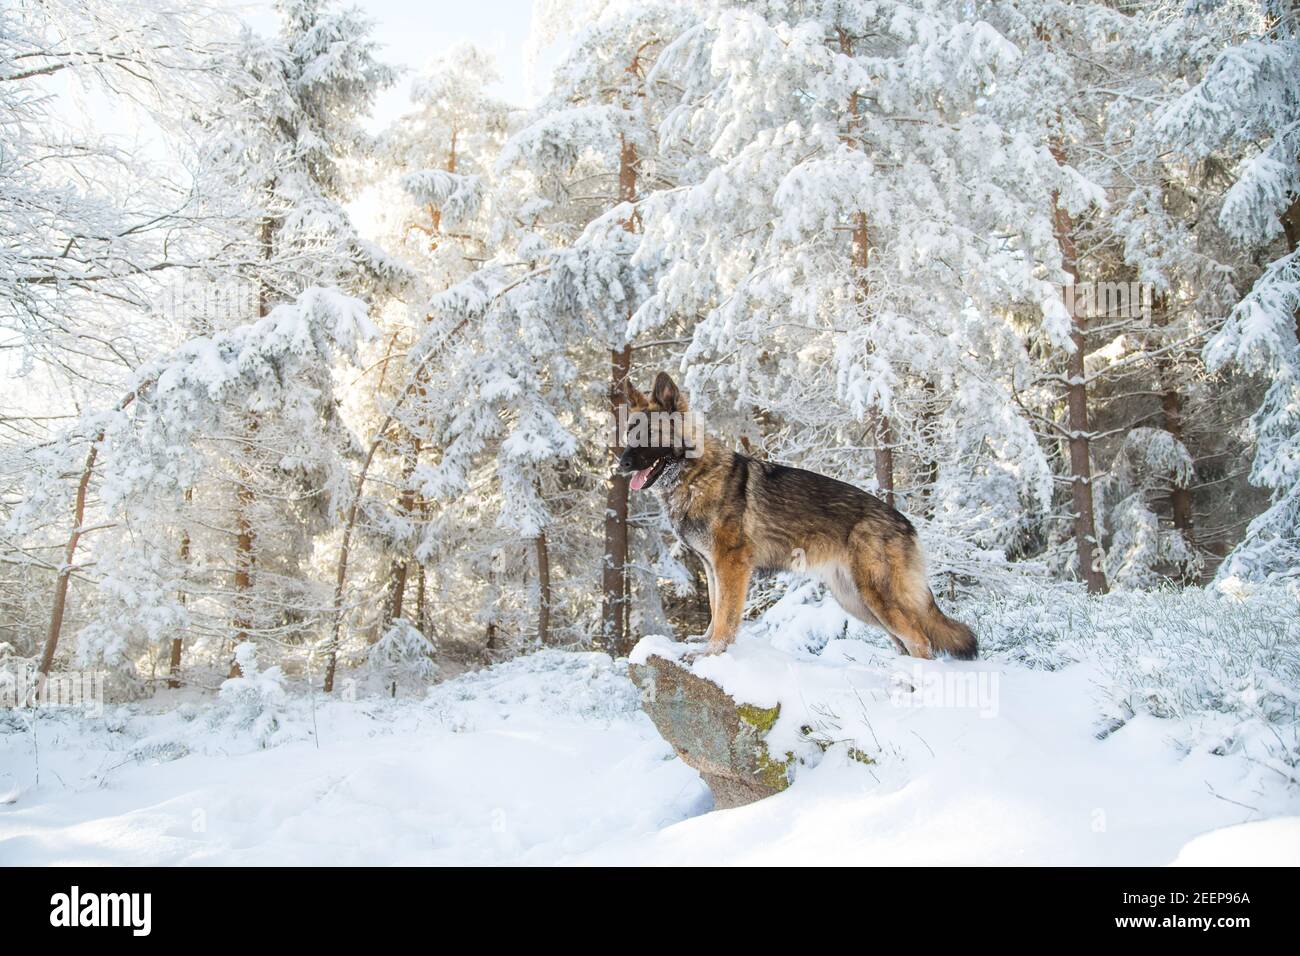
(867, 552)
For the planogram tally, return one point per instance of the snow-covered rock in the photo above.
(722, 738)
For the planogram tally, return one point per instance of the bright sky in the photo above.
(413, 32)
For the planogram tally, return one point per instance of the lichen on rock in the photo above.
(725, 740)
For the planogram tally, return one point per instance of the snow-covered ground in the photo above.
(1142, 729)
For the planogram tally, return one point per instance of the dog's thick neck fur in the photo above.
(683, 474)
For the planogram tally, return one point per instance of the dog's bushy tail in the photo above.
(949, 636)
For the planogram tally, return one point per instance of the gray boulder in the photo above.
(723, 739)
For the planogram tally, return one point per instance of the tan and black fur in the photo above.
(740, 515)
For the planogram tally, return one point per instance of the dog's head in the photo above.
(657, 432)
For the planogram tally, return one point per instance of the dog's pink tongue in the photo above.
(638, 480)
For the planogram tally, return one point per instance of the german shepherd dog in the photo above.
(740, 515)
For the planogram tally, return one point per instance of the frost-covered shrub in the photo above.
(403, 655)
(1221, 666)
(576, 686)
(1225, 662)
(1270, 550)
(1143, 550)
(805, 618)
(254, 702)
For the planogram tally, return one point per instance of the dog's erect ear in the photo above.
(668, 396)
(634, 398)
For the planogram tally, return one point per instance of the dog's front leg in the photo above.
(731, 570)
(711, 584)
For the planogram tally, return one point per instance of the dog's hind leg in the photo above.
(839, 580)
(902, 626)
(892, 584)
(890, 580)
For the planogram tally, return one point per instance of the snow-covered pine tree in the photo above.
(281, 142)
(93, 233)
(403, 655)
(499, 414)
(149, 451)
(1248, 101)
(1053, 102)
(1083, 88)
(436, 184)
(854, 251)
(1162, 276)
(599, 128)
(483, 384)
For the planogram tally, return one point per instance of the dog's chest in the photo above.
(693, 533)
(691, 529)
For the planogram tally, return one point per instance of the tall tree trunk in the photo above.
(421, 604)
(931, 464)
(58, 603)
(245, 558)
(1080, 438)
(1180, 496)
(406, 506)
(860, 255)
(491, 630)
(881, 430)
(614, 590)
(397, 574)
(174, 664)
(543, 591)
(1171, 420)
(245, 496)
(884, 458)
(613, 616)
(1291, 227)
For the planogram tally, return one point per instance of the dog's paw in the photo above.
(697, 638)
(710, 649)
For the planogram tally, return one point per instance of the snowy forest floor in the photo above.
(1135, 729)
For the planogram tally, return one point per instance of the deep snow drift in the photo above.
(1139, 729)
